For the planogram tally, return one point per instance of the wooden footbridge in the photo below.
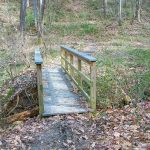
(54, 85)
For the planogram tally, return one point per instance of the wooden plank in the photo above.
(38, 58)
(66, 65)
(40, 88)
(71, 62)
(92, 81)
(93, 85)
(79, 69)
(77, 84)
(61, 53)
(84, 57)
(84, 77)
(58, 97)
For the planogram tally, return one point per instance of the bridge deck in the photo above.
(58, 95)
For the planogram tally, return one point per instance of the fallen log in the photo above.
(23, 115)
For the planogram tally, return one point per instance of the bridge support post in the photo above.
(93, 85)
(40, 88)
(38, 62)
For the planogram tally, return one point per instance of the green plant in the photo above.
(123, 74)
(54, 53)
(30, 21)
(87, 28)
(94, 4)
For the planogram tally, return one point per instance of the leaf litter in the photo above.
(116, 129)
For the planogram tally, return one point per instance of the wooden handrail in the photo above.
(79, 54)
(39, 61)
(69, 67)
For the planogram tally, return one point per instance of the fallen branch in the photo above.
(15, 106)
(23, 115)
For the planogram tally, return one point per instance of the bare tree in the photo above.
(35, 6)
(138, 10)
(105, 7)
(23, 14)
(40, 18)
(120, 12)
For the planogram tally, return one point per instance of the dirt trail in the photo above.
(125, 129)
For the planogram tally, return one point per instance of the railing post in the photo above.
(90, 60)
(93, 85)
(79, 68)
(71, 61)
(38, 62)
(66, 65)
(62, 53)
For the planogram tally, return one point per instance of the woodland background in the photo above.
(116, 32)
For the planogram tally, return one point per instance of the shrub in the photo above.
(30, 21)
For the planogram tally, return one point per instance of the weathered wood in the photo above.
(38, 62)
(84, 77)
(38, 58)
(62, 53)
(93, 85)
(81, 76)
(79, 68)
(83, 56)
(71, 61)
(58, 97)
(40, 88)
(77, 84)
(23, 115)
(66, 65)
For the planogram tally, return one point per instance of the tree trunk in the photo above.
(40, 20)
(105, 8)
(22, 15)
(42, 9)
(28, 4)
(138, 10)
(35, 6)
(125, 3)
(120, 12)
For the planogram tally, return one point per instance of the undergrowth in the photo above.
(122, 65)
(123, 76)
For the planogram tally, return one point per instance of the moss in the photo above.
(10, 93)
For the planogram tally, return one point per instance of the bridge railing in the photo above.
(68, 56)
(39, 61)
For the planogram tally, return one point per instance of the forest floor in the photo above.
(115, 129)
(122, 52)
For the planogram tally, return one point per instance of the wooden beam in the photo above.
(84, 77)
(91, 61)
(93, 85)
(71, 62)
(84, 57)
(77, 84)
(40, 89)
(38, 62)
(62, 54)
(66, 65)
(79, 68)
